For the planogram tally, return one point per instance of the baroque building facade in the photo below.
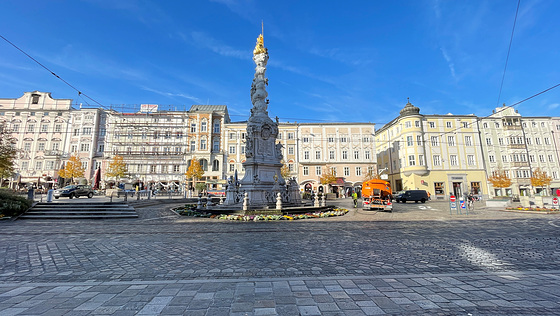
(442, 154)
(455, 154)
(437, 153)
(40, 125)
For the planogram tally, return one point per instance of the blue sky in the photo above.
(349, 61)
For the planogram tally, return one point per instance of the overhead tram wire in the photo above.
(509, 49)
(52, 72)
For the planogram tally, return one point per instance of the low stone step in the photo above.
(115, 216)
(99, 208)
(80, 211)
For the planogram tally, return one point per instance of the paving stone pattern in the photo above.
(163, 264)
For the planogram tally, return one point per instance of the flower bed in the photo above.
(287, 217)
(538, 209)
(190, 210)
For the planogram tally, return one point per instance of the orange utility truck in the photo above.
(377, 195)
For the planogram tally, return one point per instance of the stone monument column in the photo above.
(263, 155)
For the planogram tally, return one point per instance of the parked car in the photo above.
(72, 191)
(412, 195)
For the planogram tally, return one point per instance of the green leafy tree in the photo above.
(8, 153)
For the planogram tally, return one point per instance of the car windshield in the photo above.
(68, 187)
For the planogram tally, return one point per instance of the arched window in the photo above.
(216, 165)
(204, 164)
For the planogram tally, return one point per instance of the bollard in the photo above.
(278, 201)
(246, 201)
(50, 195)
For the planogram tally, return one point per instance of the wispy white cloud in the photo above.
(204, 40)
(173, 95)
(352, 57)
(553, 106)
(83, 62)
(450, 63)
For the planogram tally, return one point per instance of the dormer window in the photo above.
(35, 98)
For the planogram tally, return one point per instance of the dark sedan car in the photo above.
(73, 191)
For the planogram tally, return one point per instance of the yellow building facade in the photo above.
(438, 153)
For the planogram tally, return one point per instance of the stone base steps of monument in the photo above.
(80, 211)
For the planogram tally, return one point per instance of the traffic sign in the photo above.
(555, 201)
(452, 198)
(463, 204)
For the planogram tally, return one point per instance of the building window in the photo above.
(437, 160)
(318, 171)
(49, 165)
(41, 147)
(318, 154)
(501, 141)
(31, 128)
(344, 155)
(232, 149)
(367, 155)
(291, 150)
(359, 171)
(451, 140)
(290, 135)
(216, 165)
(541, 158)
(448, 124)
(432, 124)
(305, 139)
(35, 98)
(468, 140)
(217, 127)
(203, 144)
(356, 154)
(419, 140)
(417, 123)
(465, 124)
(231, 167)
(537, 141)
(232, 136)
(453, 160)
(343, 139)
(291, 167)
(306, 155)
(421, 160)
(470, 160)
(305, 171)
(27, 146)
(547, 141)
(87, 131)
(438, 188)
(435, 141)
(216, 146)
(491, 158)
(550, 158)
(346, 171)
(44, 128)
(204, 126)
(242, 149)
(193, 127)
(39, 165)
(193, 146)
(409, 141)
(488, 141)
(411, 160)
(330, 139)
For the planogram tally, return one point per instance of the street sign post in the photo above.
(452, 204)
(555, 202)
